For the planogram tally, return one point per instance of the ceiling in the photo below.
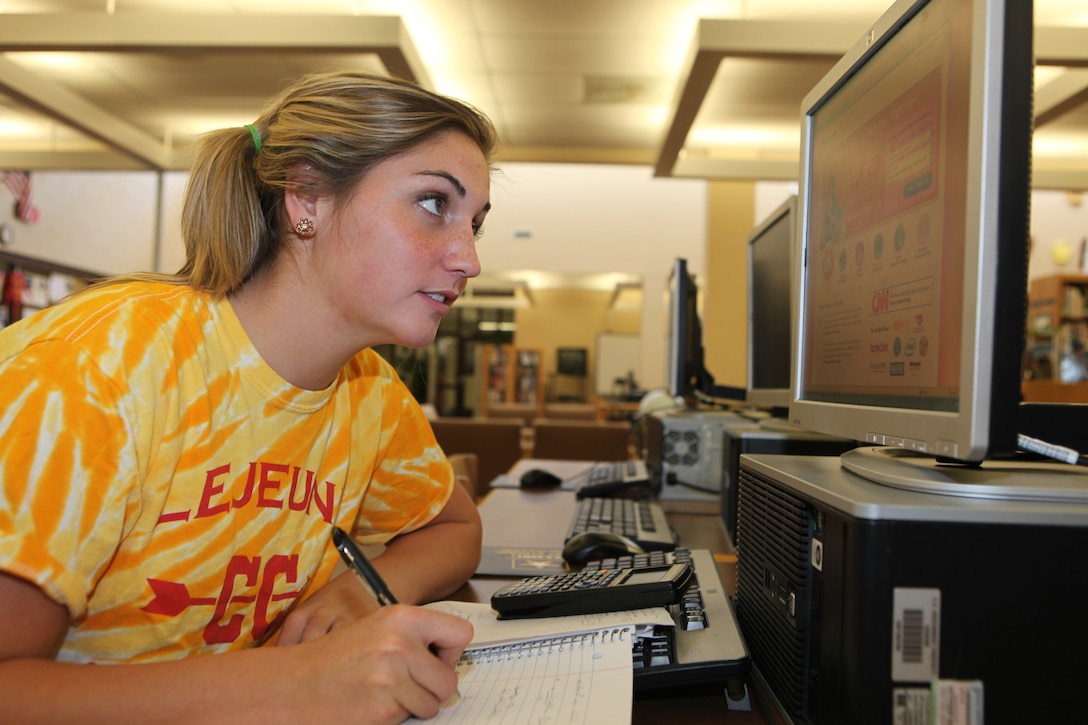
(699, 88)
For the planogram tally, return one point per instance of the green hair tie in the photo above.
(256, 138)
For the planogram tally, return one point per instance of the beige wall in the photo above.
(730, 217)
(572, 318)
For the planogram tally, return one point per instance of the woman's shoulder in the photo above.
(130, 308)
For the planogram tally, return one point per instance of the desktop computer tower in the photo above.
(859, 601)
(683, 450)
(771, 435)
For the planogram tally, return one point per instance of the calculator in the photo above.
(592, 591)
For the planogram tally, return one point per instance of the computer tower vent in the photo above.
(681, 447)
(774, 585)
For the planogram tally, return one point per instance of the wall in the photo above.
(723, 289)
(574, 318)
(581, 218)
(1059, 226)
(103, 222)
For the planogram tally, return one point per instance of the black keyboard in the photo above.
(606, 478)
(705, 646)
(640, 520)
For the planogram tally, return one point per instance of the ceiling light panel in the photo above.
(605, 126)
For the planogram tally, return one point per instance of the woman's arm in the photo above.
(436, 559)
(380, 670)
(424, 565)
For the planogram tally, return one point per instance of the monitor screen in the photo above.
(686, 374)
(572, 361)
(913, 231)
(770, 307)
(683, 348)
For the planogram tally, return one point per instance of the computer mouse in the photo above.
(539, 478)
(591, 545)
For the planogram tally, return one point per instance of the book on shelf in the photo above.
(1074, 301)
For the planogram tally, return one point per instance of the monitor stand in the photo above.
(1021, 480)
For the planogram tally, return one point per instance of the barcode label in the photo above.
(916, 619)
(913, 635)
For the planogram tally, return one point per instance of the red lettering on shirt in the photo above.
(239, 566)
(270, 486)
(213, 486)
(267, 481)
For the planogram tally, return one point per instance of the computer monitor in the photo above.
(913, 228)
(572, 361)
(771, 280)
(685, 369)
(683, 341)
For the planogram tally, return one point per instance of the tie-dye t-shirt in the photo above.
(171, 490)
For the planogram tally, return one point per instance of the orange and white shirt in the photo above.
(171, 490)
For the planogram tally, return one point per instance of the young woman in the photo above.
(176, 450)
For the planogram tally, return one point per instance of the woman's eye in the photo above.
(434, 204)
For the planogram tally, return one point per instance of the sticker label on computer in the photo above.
(916, 634)
(910, 706)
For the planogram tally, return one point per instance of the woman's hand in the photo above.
(340, 602)
(395, 663)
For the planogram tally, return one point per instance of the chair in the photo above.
(578, 440)
(570, 411)
(522, 412)
(466, 472)
(495, 442)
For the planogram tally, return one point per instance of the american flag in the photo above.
(19, 184)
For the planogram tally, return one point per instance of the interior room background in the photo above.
(559, 222)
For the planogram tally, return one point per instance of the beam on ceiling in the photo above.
(385, 36)
(1060, 179)
(737, 169)
(70, 161)
(61, 104)
(717, 40)
(1061, 95)
(1065, 46)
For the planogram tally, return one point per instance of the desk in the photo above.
(513, 516)
(613, 409)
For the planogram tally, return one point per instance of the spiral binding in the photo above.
(554, 645)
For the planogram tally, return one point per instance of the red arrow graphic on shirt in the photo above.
(172, 598)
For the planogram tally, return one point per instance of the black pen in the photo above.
(355, 559)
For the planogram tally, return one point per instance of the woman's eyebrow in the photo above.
(457, 185)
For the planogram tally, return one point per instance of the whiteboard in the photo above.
(617, 356)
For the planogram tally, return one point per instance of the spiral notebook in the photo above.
(557, 670)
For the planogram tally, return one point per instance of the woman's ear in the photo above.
(299, 200)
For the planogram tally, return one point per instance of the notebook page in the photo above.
(583, 678)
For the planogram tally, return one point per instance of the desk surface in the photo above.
(535, 519)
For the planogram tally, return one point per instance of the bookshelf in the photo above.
(1057, 317)
(43, 283)
(513, 381)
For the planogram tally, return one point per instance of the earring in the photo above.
(304, 227)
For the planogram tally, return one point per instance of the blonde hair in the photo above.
(338, 125)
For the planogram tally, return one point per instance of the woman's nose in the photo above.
(463, 257)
